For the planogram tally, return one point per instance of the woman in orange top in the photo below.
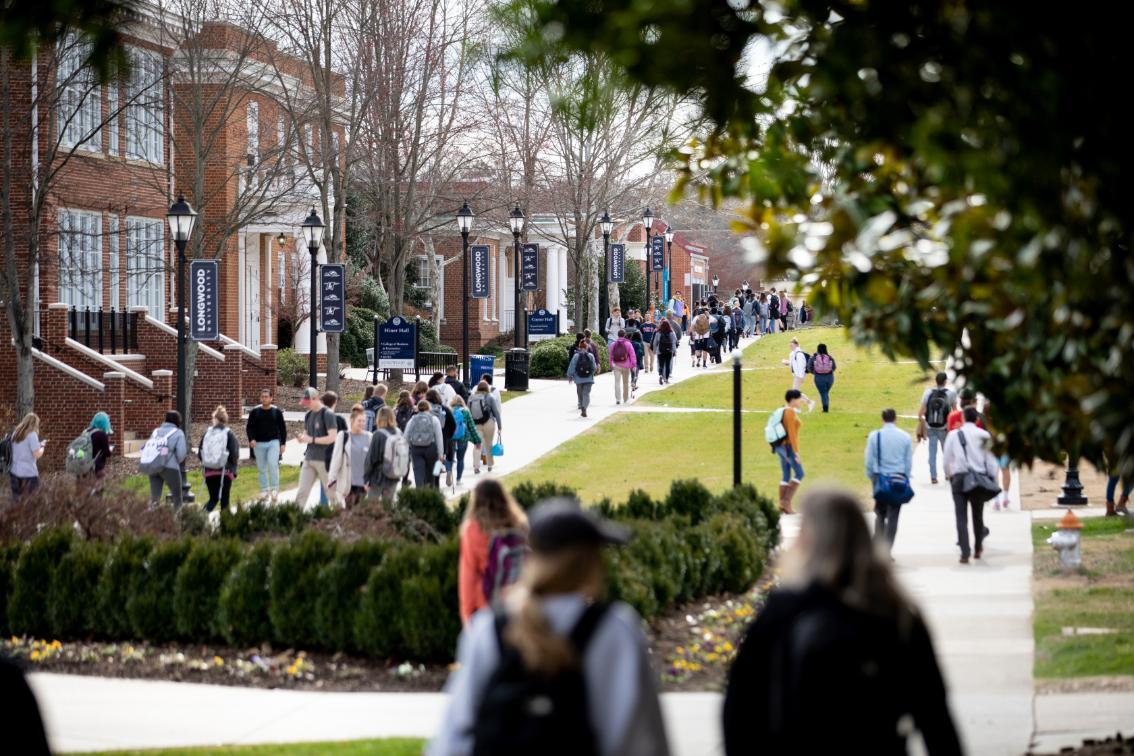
(491, 510)
(788, 451)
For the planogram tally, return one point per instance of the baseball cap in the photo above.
(560, 522)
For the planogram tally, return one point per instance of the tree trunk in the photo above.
(191, 349)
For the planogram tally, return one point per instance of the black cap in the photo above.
(560, 522)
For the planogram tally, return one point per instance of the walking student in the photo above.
(88, 452)
(219, 452)
(665, 346)
(648, 329)
(492, 515)
(622, 361)
(889, 462)
(797, 362)
(639, 357)
(320, 428)
(444, 415)
(581, 371)
(27, 448)
(485, 411)
(454, 383)
(162, 456)
(464, 435)
(404, 409)
(698, 339)
(373, 399)
(348, 461)
(426, 445)
(614, 324)
(865, 661)
(967, 451)
(823, 368)
(267, 435)
(555, 636)
(936, 404)
(782, 432)
(387, 461)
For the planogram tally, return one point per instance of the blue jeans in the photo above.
(267, 455)
(936, 438)
(1112, 486)
(823, 383)
(459, 449)
(789, 463)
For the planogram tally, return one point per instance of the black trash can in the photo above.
(516, 369)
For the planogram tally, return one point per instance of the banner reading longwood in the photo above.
(657, 254)
(397, 344)
(617, 267)
(529, 268)
(204, 307)
(478, 270)
(332, 298)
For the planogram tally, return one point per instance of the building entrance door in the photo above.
(252, 292)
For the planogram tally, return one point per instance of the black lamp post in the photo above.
(716, 280)
(181, 218)
(516, 221)
(736, 417)
(647, 222)
(313, 228)
(464, 223)
(1072, 487)
(669, 263)
(607, 225)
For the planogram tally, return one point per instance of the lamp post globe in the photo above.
(464, 225)
(312, 229)
(716, 281)
(516, 221)
(182, 217)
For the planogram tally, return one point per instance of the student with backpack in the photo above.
(648, 329)
(622, 362)
(782, 434)
(267, 436)
(889, 462)
(464, 435)
(581, 371)
(698, 339)
(440, 408)
(556, 669)
(485, 411)
(23, 453)
(404, 409)
(936, 403)
(639, 356)
(373, 399)
(614, 324)
(162, 456)
(493, 522)
(320, 428)
(219, 452)
(348, 461)
(387, 460)
(971, 470)
(88, 452)
(426, 444)
(665, 345)
(822, 366)
(864, 665)
(798, 363)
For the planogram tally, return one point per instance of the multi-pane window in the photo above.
(80, 258)
(145, 264)
(80, 97)
(253, 119)
(145, 108)
(424, 271)
(113, 268)
(112, 117)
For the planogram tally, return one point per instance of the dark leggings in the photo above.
(218, 485)
(22, 486)
(665, 365)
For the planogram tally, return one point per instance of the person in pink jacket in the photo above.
(622, 361)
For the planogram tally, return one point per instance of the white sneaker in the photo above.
(810, 405)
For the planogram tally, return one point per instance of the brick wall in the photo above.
(481, 331)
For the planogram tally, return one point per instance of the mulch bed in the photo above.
(350, 391)
(1116, 745)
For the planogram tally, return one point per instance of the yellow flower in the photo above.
(680, 651)
(728, 646)
(218, 662)
(34, 655)
(56, 644)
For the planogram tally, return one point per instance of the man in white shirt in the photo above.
(967, 448)
(797, 363)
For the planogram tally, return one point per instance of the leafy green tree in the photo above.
(950, 179)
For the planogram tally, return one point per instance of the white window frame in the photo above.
(420, 262)
(114, 266)
(145, 263)
(253, 125)
(79, 108)
(145, 111)
(80, 258)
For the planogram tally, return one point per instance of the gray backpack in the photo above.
(80, 455)
(419, 430)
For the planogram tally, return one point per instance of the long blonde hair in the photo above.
(30, 424)
(574, 569)
(835, 551)
(493, 508)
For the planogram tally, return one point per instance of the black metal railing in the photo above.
(106, 331)
(434, 362)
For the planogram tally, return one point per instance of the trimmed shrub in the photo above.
(248, 520)
(741, 552)
(9, 556)
(689, 498)
(549, 359)
(428, 504)
(760, 512)
(341, 583)
(377, 627)
(626, 582)
(529, 494)
(640, 505)
(27, 609)
(196, 590)
(425, 619)
(70, 610)
(244, 599)
(293, 582)
(150, 603)
(358, 336)
(127, 560)
(655, 549)
(291, 368)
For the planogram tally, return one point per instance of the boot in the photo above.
(1122, 504)
(791, 489)
(1110, 510)
(784, 503)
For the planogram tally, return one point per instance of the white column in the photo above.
(561, 255)
(303, 334)
(551, 280)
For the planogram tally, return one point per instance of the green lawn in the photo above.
(1100, 595)
(383, 747)
(650, 450)
(246, 487)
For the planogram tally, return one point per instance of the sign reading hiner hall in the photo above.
(204, 307)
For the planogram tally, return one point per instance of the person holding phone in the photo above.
(26, 451)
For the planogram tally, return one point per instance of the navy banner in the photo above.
(478, 271)
(397, 345)
(529, 268)
(657, 254)
(204, 306)
(332, 298)
(616, 268)
(542, 325)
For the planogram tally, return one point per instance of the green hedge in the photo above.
(549, 358)
(391, 599)
(9, 556)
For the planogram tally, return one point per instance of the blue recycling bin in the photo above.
(480, 365)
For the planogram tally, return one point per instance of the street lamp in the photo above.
(669, 265)
(182, 218)
(607, 225)
(647, 222)
(516, 221)
(716, 280)
(312, 228)
(464, 223)
(736, 356)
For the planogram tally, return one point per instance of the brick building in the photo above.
(103, 290)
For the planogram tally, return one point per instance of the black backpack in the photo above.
(807, 366)
(522, 712)
(937, 409)
(585, 365)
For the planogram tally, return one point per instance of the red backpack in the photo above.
(506, 552)
(618, 351)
